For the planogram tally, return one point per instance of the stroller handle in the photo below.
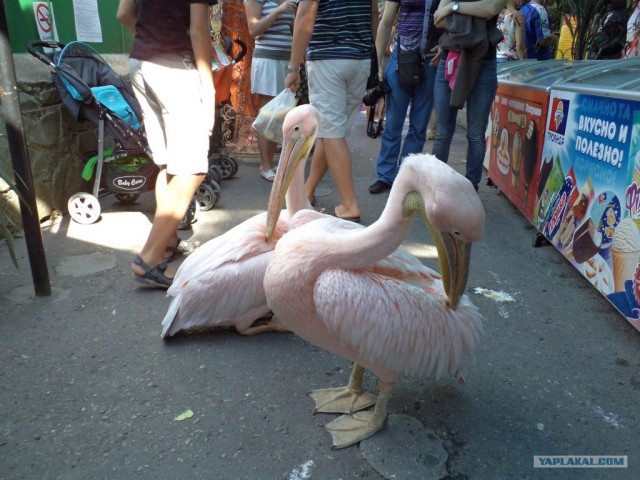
(31, 48)
(243, 50)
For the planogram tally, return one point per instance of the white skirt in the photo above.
(268, 76)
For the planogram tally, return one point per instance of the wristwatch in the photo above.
(294, 70)
(455, 7)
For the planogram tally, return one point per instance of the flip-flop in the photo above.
(349, 219)
(183, 248)
(153, 277)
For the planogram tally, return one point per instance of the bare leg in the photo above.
(267, 147)
(339, 161)
(347, 399)
(170, 208)
(317, 170)
(349, 429)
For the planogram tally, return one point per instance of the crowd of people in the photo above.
(429, 74)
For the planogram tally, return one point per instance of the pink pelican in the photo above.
(339, 289)
(221, 283)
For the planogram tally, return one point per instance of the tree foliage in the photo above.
(588, 16)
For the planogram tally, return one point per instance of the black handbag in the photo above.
(410, 67)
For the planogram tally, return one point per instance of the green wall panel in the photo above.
(22, 25)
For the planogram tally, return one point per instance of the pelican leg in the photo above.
(347, 399)
(350, 429)
(272, 325)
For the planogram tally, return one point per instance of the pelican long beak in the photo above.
(454, 256)
(293, 152)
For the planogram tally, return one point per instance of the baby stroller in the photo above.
(91, 90)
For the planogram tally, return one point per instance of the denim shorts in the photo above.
(174, 117)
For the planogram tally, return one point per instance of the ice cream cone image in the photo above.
(625, 252)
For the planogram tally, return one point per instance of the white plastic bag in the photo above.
(271, 117)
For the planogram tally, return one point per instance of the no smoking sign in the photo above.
(45, 21)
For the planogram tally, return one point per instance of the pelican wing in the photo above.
(220, 284)
(398, 320)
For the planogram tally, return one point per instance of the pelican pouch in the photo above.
(410, 69)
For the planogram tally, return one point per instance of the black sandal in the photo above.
(183, 248)
(153, 277)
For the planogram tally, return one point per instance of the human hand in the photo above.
(441, 13)
(287, 6)
(292, 82)
(437, 55)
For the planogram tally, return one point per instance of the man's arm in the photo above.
(483, 9)
(375, 18)
(384, 32)
(302, 31)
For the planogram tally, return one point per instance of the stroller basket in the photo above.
(129, 174)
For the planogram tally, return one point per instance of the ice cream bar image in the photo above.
(586, 241)
(517, 118)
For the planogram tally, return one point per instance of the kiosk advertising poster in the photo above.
(516, 137)
(589, 202)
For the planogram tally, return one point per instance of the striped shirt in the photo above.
(342, 30)
(275, 42)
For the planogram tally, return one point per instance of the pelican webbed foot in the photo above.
(348, 430)
(349, 399)
(341, 400)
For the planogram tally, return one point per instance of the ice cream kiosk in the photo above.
(517, 126)
(588, 201)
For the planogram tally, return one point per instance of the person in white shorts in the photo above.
(172, 80)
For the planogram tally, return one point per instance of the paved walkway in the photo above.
(88, 389)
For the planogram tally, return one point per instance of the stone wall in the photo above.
(55, 141)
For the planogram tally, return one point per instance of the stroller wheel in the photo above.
(228, 165)
(207, 195)
(84, 208)
(127, 197)
(214, 173)
(190, 216)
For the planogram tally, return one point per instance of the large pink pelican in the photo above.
(220, 284)
(339, 290)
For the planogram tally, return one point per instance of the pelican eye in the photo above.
(297, 128)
